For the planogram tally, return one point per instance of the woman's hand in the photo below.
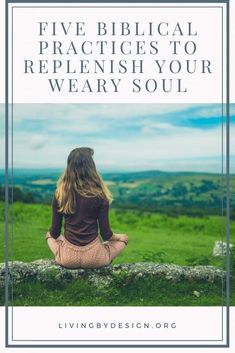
(120, 237)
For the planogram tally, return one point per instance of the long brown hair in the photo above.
(80, 177)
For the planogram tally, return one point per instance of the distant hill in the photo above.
(166, 192)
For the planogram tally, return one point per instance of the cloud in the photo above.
(153, 128)
(212, 110)
(79, 112)
(79, 121)
(126, 136)
(185, 144)
(37, 141)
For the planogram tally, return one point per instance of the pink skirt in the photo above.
(93, 255)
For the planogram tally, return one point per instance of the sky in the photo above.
(125, 137)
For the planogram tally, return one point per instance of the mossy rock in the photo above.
(47, 271)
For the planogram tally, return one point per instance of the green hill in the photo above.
(172, 193)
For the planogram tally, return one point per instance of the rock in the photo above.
(196, 293)
(47, 271)
(220, 248)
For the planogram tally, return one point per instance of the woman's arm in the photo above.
(56, 222)
(103, 221)
(105, 231)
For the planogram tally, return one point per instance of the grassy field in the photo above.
(153, 237)
(181, 240)
(141, 293)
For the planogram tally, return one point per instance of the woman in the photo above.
(82, 200)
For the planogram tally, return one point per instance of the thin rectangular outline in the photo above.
(227, 169)
(115, 340)
(121, 1)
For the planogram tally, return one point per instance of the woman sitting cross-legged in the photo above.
(82, 200)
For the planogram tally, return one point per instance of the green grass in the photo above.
(181, 240)
(141, 293)
(153, 237)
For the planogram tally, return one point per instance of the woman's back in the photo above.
(81, 227)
